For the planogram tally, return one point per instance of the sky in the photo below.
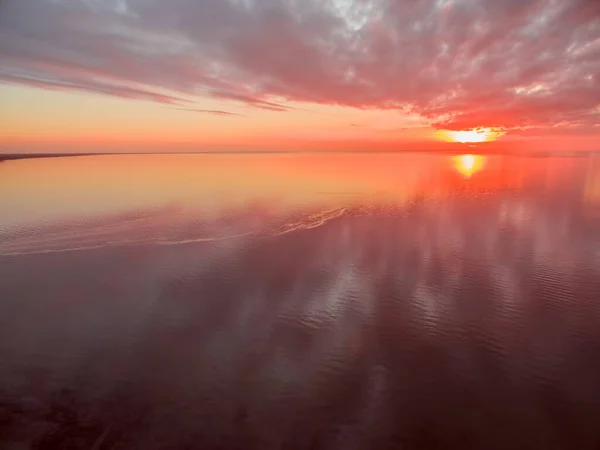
(234, 75)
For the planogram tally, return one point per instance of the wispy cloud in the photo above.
(459, 63)
(210, 111)
(83, 85)
(250, 100)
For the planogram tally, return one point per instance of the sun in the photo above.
(469, 136)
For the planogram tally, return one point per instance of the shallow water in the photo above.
(300, 302)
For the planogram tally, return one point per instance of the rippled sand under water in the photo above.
(300, 302)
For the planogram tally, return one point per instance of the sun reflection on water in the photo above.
(469, 164)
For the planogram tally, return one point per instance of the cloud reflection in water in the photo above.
(421, 308)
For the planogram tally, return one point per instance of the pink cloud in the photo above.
(460, 63)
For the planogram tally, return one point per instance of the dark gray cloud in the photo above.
(460, 63)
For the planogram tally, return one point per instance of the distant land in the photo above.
(11, 156)
(454, 151)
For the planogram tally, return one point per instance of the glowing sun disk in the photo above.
(464, 136)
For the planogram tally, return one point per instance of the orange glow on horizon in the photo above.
(45, 122)
(468, 165)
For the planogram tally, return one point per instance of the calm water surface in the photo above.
(300, 302)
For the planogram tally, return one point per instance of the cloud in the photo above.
(82, 85)
(210, 111)
(253, 101)
(458, 63)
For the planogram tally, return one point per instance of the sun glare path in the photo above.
(465, 136)
(468, 165)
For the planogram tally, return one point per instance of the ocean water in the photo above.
(300, 302)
